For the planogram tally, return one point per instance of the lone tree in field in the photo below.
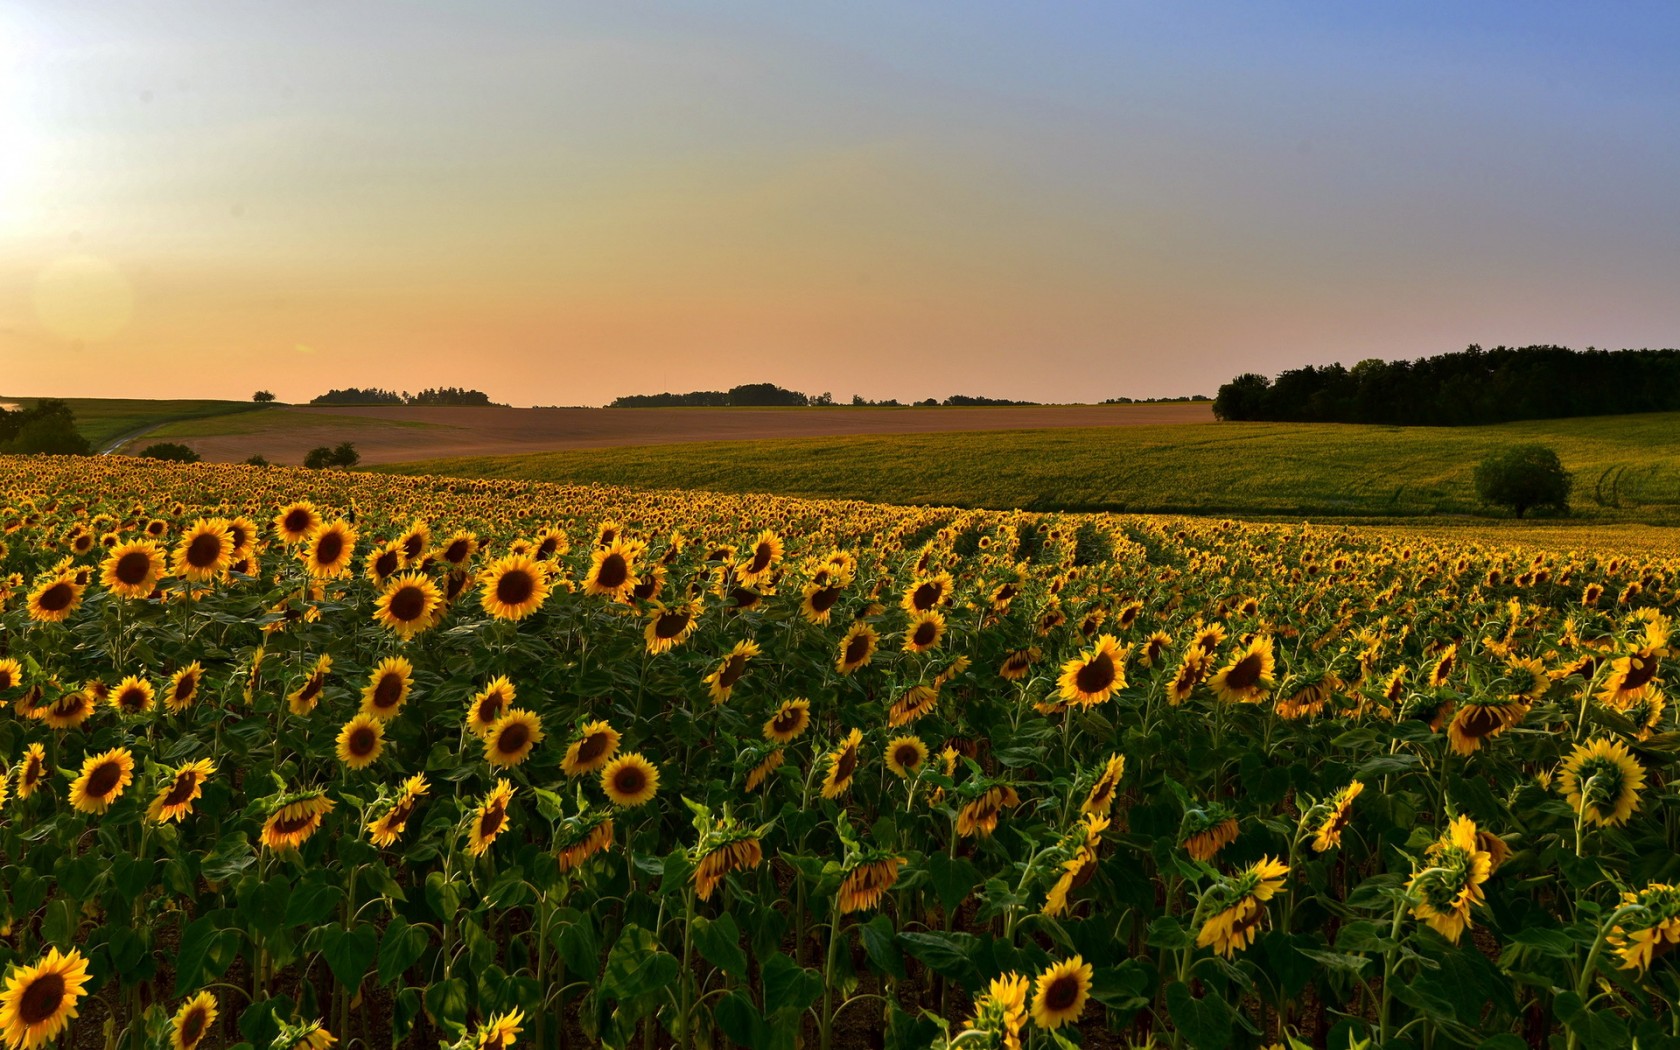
(1522, 477)
(344, 456)
(263, 397)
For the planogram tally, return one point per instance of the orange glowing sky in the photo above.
(558, 203)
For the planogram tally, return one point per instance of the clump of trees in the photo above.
(1475, 386)
(46, 428)
(342, 456)
(263, 397)
(755, 395)
(1181, 399)
(1523, 477)
(373, 395)
(170, 451)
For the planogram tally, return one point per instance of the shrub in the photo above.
(1522, 477)
(171, 451)
(321, 457)
(257, 461)
(263, 397)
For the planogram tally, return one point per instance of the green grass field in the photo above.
(1627, 468)
(102, 419)
(272, 422)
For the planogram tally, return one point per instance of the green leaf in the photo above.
(446, 1001)
(953, 879)
(350, 952)
(881, 942)
(312, 902)
(442, 896)
(949, 954)
(719, 943)
(636, 966)
(401, 947)
(1206, 1023)
(741, 1021)
(787, 986)
(58, 927)
(204, 955)
(574, 938)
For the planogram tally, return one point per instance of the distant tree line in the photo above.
(443, 395)
(1181, 399)
(1475, 386)
(48, 427)
(770, 395)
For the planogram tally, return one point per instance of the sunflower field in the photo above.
(297, 760)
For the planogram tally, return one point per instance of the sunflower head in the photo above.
(1602, 782)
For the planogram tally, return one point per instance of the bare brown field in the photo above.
(396, 434)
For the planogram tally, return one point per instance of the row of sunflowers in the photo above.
(295, 760)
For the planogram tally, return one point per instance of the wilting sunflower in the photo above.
(103, 780)
(296, 521)
(669, 627)
(1336, 815)
(1100, 799)
(917, 701)
(54, 598)
(1208, 830)
(980, 816)
(327, 552)
(408, 605)
(1237, 906)
(866, 882)
(303, 699)
(192, 1022)
(581, 837)
(32, 771)
(294, 818)
(174, 801)
(1452, 881)
(1649, 927)
(511, 738)
(842, 765)
(1016, 665)
(1060, 993)
(761, 772)
(595, 746)
(1096, 674)
(389, 825)
(387, 688)
(40, 1000)
(133, 569)
(514, 587)
(1602, 782)
(857, 648)
(488, 704)
(1249, 674)
(499, 1032)
(790, 720)
(489, 819)
(630, 780)
(361, 741)
(612, 570)
(132, 696)
(204, 552)
(722, 681)
(905, 755)
(1483, 717)
(925, 631)
(721, 851)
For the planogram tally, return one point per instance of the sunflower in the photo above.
(384, 561)
(408, 605)
(40, 1000)
(1100, 799)
(133, 569)
(668, 628)
(514, 587)
(1443, 668)
(296, 521)
(192, 1022)
(1002, 1011)
(489, 819)
(174, 801)
(103, 780)
(612, 570)
(924, 632)
(917, 701)
(581, 837)
(761, 772)
(1452, 883)
(488, 704)
(459, 549)
(1482, 718)
(1154, 647)
(1631, 677)
(818, 601)
(721, 682)
(389, 825)
(980, 816)
(388, 687)
(54, 598)
(328, 550)
(1646, 714)
(1602, 782)
(11, 674)
(1060, 993)
(1238, 906)
(630, 780)
(1016, 665)
(866, 883)
(512, 737)
(857, 648)
(499, 1032)
(204, 552)
(1249, 674)
(734, 852)
(790, 720)
(842, 765)
(69, 710)
(1649, 927)
(760, 561)
(32, 771)
(1207, 831)
(927, 594)
(132, 696)
(303, 699)
(361, 741)
(905, 755)
(595, 746)
(1192, 669)
(1337, 814)
(1096, 674)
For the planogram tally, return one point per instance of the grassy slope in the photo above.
(269, 422)
(1236, 468)
(103, 419)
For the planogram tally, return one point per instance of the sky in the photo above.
(559, 203)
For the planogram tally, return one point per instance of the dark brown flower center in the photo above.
(925, 633)
(613, 572)
(192, 1027)
(408, 604)
(133, 568)
(491, 821)
(411, 545)
(41, 999)
(857, 649)
(180, 791)
(388, 690)
(386, 563)
(104, 778)
(185, 686)
(592, 747)
(926, 596)
(823, 600)
(630, 780)
(1062, 993)
(296, 521)
(513, 738)
(845, 765)
(1245, 673)
(907, 756)
(362, 741)
(57, 598)
(761, 558)
(515, 587)
(670, 624)
(456, 552)
(329, 547)
(733, 669)
(204, 551)
(1096, 675)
